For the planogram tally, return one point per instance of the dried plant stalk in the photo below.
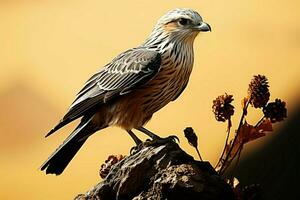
(192, 139)
(258, 97)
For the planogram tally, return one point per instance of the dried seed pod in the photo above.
(109, 162)
(258, 91)
(192, 139)
(222, 107)
(275, 111)
(191, 136)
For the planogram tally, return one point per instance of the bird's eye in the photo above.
(183, 21)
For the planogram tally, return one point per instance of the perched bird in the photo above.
(133, 86)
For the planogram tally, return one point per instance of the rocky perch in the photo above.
(158, 172)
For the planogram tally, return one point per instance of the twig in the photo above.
(235, 138)
(226, 143)
(259, 122)
(198, 154)
(241, 147)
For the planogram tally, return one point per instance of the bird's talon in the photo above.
(137, 148)
(132, 150)
(160, 141)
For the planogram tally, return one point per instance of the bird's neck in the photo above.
(178, 50)
(164, 42)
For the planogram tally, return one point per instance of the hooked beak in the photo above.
(203, 27)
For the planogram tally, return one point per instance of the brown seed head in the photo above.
(258, 91)
(222, 107)
(109, 162)
(191, 136)
(275, 111)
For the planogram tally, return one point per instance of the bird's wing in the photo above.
(127, 71)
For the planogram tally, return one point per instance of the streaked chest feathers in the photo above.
(177, 64)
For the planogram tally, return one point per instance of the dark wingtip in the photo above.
(50, 132)
(44, 165)
(60, 124)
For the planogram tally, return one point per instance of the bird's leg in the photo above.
(149, 133)
(134, 137)
(137, 141)
(156, 139)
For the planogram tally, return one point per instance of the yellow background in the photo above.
(48, 49)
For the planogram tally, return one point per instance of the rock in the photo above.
(160, 172)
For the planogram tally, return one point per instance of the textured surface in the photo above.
(160, 172)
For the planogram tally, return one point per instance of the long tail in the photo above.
(61, 157)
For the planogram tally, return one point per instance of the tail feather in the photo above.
(61, 157)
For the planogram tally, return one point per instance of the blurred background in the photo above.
(50, 48)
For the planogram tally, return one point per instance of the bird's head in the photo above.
(181, 23)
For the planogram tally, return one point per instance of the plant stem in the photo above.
(198, 154)
(223, 168)
(241, 147)
(226, 142)
(259, 122)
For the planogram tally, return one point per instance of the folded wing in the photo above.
(129, 70)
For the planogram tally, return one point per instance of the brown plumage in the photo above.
(133, 86)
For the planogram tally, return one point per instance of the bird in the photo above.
(127, 91)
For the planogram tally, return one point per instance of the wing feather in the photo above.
(126, 71)
(129, 70)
